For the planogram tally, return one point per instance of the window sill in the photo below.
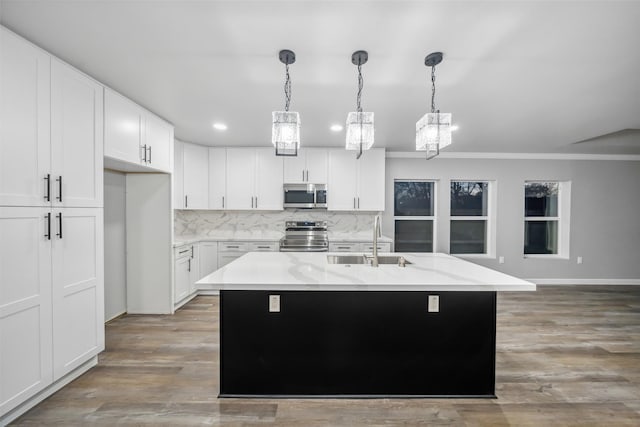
(546, 256)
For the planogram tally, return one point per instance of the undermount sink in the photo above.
(360, 259)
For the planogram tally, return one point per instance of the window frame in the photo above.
(562, 219)
(490, 218)
(432, 218)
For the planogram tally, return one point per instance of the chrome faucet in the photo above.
(376, 233)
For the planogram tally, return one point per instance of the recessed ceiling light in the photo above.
(220, 126)
(454, 127)
(336, 128)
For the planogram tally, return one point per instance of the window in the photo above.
(414, 212)
(469, 228)
(546, 210)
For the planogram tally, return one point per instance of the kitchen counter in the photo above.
(311, 271)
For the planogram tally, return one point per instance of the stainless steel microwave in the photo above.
(305, 196)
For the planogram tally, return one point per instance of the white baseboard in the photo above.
(30, 403)
(616, 282)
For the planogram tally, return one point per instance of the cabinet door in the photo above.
(76, 138)
(159, 140)
(316, 165)
(208, 258)
(194, 271)
(217, 178)
(240, 178)
(341, 186)
(182, 277)
(25, 305)
(24, 122)
(371, 179)
(226, 258)
(268, 183)
(196, 176)
(78, 287)
(178, 175)
(122, 128)
(295, 167)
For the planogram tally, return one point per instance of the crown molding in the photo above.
(514, 156)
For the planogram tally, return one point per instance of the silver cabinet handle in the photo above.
(307, 175)
(191, 251)
(358, 202)
(47, 196)
(189, 265)
(263, 247)
(222, 202)
(344, 247)
(48, 218)
(256, 202)
(232, 247)
(59, 233)
(59, 180)
(302, 174)
(149, 154)
(144, 149)
(186, 201)
(182, 252)
(354, 203)
(251, 202)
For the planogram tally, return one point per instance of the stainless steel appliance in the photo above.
(305, 236)
(305, 196)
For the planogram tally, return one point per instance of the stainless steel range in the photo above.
(305, 236)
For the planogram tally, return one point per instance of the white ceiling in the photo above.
(518, 76)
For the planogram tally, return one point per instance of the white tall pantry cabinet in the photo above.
(51, 224)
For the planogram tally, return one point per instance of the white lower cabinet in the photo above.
(208, 258)
(186, 272)
(51, 297)
(229, 251)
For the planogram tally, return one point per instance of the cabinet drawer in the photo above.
(382, 247)
(263, 246)
(344, 247)
(233, 247)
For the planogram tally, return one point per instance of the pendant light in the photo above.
(285, 133)
(433, 130)
(359, 123)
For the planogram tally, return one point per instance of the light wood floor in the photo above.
(566, 356)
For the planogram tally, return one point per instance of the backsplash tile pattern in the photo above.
(205, 223)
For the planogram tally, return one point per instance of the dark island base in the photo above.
(364, 344)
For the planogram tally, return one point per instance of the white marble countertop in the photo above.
(257, 236)
(310, 271)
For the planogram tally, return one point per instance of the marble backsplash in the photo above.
(207, 223)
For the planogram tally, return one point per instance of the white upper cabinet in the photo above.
(309, 166)
(254, 179)
(217, 178)
(178, 175)
(159, 141)
(240, 178)
(269, 191)
(196, 176)
(24, 122)
(356, 184)
(76, 138)
(135, 136)
(122, 128)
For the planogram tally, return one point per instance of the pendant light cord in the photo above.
(433, 89)
(360, 85)
(287, 89)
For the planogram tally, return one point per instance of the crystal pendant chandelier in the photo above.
(285, 133)
(433, 130)
(359, 123)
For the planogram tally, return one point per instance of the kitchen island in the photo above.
(293, 324)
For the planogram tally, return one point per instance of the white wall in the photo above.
(605, 213)
(115, 278)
